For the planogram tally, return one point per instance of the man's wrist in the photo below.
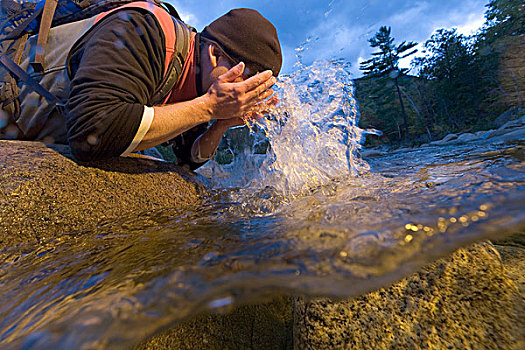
(205, 106)
(221, 125)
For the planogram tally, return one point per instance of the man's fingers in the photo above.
(262, 92)
(265, 77)
(233, 73)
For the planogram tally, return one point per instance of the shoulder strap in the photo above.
(174, 70)
(177, 37)
(43, 34)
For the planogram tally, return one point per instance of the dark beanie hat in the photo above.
(245, 35)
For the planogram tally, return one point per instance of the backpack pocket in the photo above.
(39, 118)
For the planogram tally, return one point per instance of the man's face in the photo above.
(216, 65)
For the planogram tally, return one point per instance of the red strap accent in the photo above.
(164, 19)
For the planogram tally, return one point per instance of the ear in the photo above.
(214, 54)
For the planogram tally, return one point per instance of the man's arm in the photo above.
(226, 101)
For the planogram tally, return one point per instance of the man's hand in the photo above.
(230, 98)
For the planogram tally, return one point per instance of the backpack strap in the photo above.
(43, 33)
(170, 8)
(176, 50)
(26, 78)
(174, 70)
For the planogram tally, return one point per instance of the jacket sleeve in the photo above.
(183, 144)
(115, 70)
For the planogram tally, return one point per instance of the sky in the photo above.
(341, 28)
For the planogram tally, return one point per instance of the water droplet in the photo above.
(220, 303)
(92, 140)
(119, 44)
(409, 238)
(453, 220)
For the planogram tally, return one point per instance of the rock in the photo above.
(480, 133)
(445, 140)
(371, 153)
(507, 116)
(264, 326)
(43, 192)
(514, 135)
(466, 137)
(449, 138)
(464, 301)
(403, 150)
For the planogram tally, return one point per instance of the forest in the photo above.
(461, 83)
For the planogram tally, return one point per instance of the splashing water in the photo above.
(313, 135)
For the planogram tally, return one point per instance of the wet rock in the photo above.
(466, 137)
(445, 140)
(481, 133)
(510, 131)
(44, 193)
(506, 136)
(508, 116)
(465, 301)
(264, 326)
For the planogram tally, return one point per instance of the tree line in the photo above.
(463, 83)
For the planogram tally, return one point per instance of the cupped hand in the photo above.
(230, 98)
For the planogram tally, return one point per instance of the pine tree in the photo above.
(385, 63)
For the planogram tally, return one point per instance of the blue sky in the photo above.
(341, 28)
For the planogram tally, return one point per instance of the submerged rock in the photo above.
(263, 326)
(464, 301)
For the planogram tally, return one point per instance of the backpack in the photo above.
(35, 40)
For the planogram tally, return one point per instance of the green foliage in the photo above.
(384, 65)
(453, 76)
(503, 18)
(461, 83)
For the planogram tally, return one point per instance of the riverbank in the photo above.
(513, 130)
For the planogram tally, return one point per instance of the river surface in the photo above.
(309, 217)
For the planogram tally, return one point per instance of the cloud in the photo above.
(186, 15)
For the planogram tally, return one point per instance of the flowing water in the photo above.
(309, 217)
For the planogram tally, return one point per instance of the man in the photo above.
(115, 68)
